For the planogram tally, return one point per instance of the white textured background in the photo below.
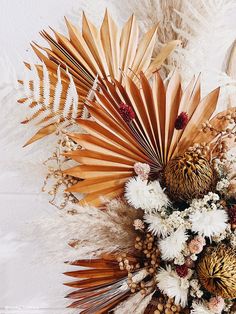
(30, 282)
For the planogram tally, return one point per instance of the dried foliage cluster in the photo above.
(151, 195)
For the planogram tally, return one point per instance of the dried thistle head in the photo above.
(217, 271)
(188, 176)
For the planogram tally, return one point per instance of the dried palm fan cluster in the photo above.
(151, 169)
(136, 122)
(112, 278)
(59, 86)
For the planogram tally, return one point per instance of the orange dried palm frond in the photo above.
(104, 287)
(105, 53)
(112, 146)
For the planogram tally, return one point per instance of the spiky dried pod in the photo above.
(217, 271)
(188, 176)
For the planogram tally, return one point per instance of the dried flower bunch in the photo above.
(152, 179)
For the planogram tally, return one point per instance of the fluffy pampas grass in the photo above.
(90, 231)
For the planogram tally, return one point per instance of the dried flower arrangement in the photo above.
(156, 185)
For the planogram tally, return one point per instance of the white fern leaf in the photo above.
(75, 96)
(58, 91)
(46, 85)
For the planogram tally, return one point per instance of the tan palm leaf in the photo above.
(112, 146)
(97, 287)
(105, 53)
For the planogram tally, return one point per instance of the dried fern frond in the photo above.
(114, 145)
(51, 98)
(105, 53)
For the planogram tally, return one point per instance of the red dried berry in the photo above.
(182, 270)
(181, 121)
(126, 112)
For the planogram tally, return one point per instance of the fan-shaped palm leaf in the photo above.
(105, 53)
(112, 146)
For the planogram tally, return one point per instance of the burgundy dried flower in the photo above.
(232, 214)
(126, 112)
(181, 121)
(182, 270)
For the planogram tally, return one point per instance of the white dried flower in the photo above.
(156, 224)
(180, 260)
(194, 284)
(200, 308)
(222, 185)
(172, 245)
(172, 285)
(193, 257)
(199, 293)
(209, 223)
(148, 196)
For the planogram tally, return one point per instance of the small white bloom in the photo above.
(222, 184)
(193, 257)
(194, 284)
(200, 308)
(180, 260)
(199, 293)
(173, 286)
(172, 245)
(209, 223)
(148, 196)
(156, 224)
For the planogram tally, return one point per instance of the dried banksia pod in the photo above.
(217, 271)
(188, 176)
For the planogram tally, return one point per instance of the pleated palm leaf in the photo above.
(115, 142)
(101, 286)
(105, 53)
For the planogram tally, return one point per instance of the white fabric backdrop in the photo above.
(29, 282)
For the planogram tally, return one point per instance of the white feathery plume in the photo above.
(128, 306)
(173, 244)
(209, 223)
(148, 196)
(172, 285)
(141, 307)
(200, 308)
(208, 38)
(156, 224)
(109, 230)
(203, 28)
